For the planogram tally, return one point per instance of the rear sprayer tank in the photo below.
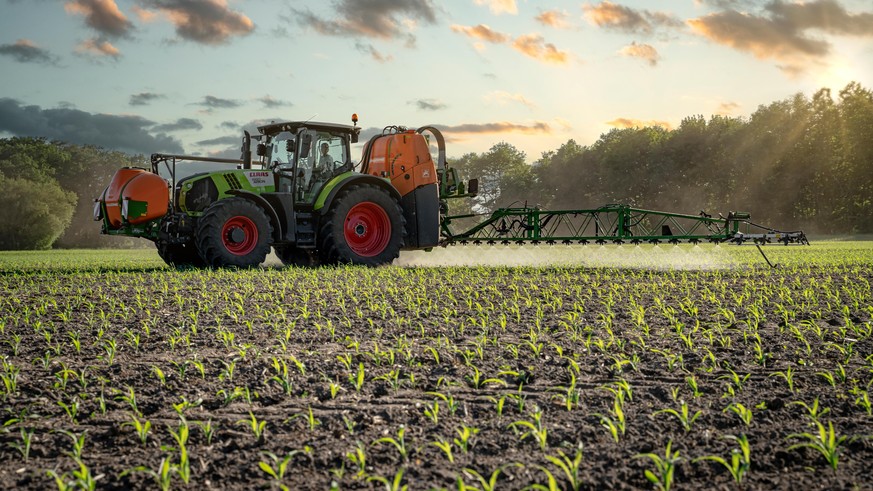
(134, 197)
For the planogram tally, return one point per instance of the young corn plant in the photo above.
(615, 423)
(744, 413)
(570, 468)
(535, 428)
(740, 459)
(399, 443)
(825, 441)
(258, 427)
(683, 415)
(465, 437)
(665, 467)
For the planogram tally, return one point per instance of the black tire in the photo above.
(233, 232)
(180, 255)
(365, 225)
(294, 256)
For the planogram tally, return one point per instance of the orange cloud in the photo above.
(642, 51)
(205, 21)
(553, 18)
(636, 123)
(538, 127)
(534, 46)
(98, 48)
(609, 15)
(103, 16)
(482, 32)
(781, 33)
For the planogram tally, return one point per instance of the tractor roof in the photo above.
(293, 126)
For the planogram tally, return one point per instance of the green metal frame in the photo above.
(612, 224)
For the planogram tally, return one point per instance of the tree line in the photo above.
(49, 190)
(799, 163)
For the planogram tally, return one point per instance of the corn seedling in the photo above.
(665, 467)
(535, 428)
(399, 443)
(825, 441)
(740, 459)
(683, 415)
(258, 427)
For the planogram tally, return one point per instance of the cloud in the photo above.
(144, 98)
(269, 102)
(534, 46)
(782, 31)
(554, 18)
(642, 51)
(26, 51)
(213, 102)
(503, 97)
(481, 32)
(430, 104)
(538, 127)
(609, 15)
(103, 16)
(498, 7)
(727, 108)
(378, 19)
(369, 49)
(125, 133)
(98, 49)
(636, 123)
(181, 124)
(202, 21)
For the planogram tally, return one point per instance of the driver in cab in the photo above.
(325, 161)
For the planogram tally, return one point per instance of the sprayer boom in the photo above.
(612, 224)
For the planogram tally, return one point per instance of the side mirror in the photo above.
(473, 187)
(289, 145)
(262, 150)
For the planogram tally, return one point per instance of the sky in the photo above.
(187, 76)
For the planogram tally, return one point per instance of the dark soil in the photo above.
(421, 336)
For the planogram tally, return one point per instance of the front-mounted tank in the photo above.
(134, 197)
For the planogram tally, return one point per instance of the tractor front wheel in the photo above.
(365, 226)
(233, 232)
(180, 255)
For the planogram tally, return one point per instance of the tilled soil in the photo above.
(347, 378)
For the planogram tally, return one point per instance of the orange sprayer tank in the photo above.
(405, 159)
(135, 196)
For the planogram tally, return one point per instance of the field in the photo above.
(597, 368)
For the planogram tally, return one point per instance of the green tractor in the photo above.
(303, 196)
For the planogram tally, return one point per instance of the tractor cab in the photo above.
(304, 156)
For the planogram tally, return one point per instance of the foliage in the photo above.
(35, 213)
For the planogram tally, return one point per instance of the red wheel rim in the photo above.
(239, 235)
(367, 229)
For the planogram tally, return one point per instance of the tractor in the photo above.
(303, 196)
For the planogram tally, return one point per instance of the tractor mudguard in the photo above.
(342, 181)
(278, 226)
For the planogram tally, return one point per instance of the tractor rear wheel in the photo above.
(233, 232)
(180, 255)
(365, 226)
(294, 256)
